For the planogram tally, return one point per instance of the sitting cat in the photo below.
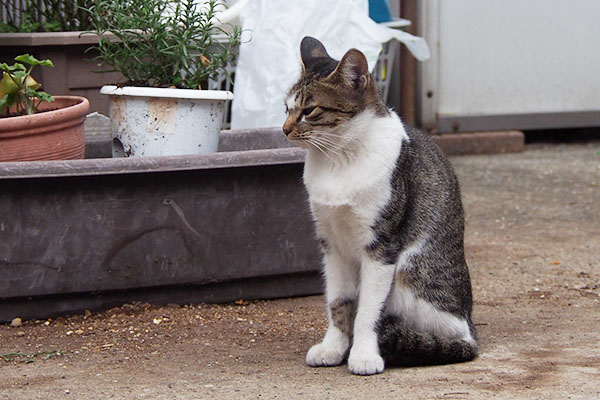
(388, 214)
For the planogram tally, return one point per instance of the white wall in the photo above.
(510, 57)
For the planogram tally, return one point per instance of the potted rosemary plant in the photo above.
(33, 124)
(167, 50)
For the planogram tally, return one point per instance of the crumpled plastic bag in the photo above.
(269, 59)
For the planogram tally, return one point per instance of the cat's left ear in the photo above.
(353, 70)
(311, 50)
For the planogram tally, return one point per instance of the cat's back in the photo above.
(427, 177)
(427, 156)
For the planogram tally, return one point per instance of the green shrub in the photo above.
(45, 15)
(163, 43)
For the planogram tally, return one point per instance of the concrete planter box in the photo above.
(94, 233)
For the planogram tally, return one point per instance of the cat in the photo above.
(389, 219)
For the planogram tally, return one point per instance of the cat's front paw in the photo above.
(361, 362)
(321, 355)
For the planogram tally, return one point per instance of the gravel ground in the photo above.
(533, 246)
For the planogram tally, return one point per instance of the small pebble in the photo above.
(16, 322)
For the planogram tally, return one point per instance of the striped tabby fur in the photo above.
(388, 213)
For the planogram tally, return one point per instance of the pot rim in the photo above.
(77, 107)
(192, 94)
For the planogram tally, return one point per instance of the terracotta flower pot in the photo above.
(51, 135)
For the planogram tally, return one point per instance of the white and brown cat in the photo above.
(389, 217)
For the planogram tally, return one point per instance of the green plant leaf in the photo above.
(11, 68)
(8, 100)
(7, 28)
(39, 94)
(45, 96)
(4, 101)
(22, 90)
(159, 42)
(20, 75)
(45, 15)
(8, 84)
(31, 60)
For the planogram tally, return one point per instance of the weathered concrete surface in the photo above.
(533, 246)
(481, 142)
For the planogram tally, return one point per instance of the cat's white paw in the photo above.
(321, 355)
(362, 362)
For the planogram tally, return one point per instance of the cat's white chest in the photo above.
(345, 216)
(364, 168)
(344, 228)
(348, 196)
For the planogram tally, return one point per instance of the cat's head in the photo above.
(328, 95)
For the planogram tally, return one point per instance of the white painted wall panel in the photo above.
(512, 57)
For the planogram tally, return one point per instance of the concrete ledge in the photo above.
(481, 142)
(49, 38)
(265, 287)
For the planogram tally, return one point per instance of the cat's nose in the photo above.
(287, 128)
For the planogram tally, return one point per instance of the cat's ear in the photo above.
(310, 50)
(353, 70)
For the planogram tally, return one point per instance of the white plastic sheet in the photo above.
(269, 60)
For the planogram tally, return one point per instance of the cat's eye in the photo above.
(308, 110)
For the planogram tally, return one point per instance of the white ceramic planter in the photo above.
(160, 122)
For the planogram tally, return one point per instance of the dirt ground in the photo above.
(533, 246)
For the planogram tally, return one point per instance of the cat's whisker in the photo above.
(323, 141)
(328, 146)
(333, 146)
(318, 147)
(323, 145)
(326, 152)
(326, 136)
(331, 139)
(329, 134)
(335, 139)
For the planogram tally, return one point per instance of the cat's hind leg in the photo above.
(341, 279)
(414, 331)
(402, 345)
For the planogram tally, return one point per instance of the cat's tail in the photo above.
(400, 345)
